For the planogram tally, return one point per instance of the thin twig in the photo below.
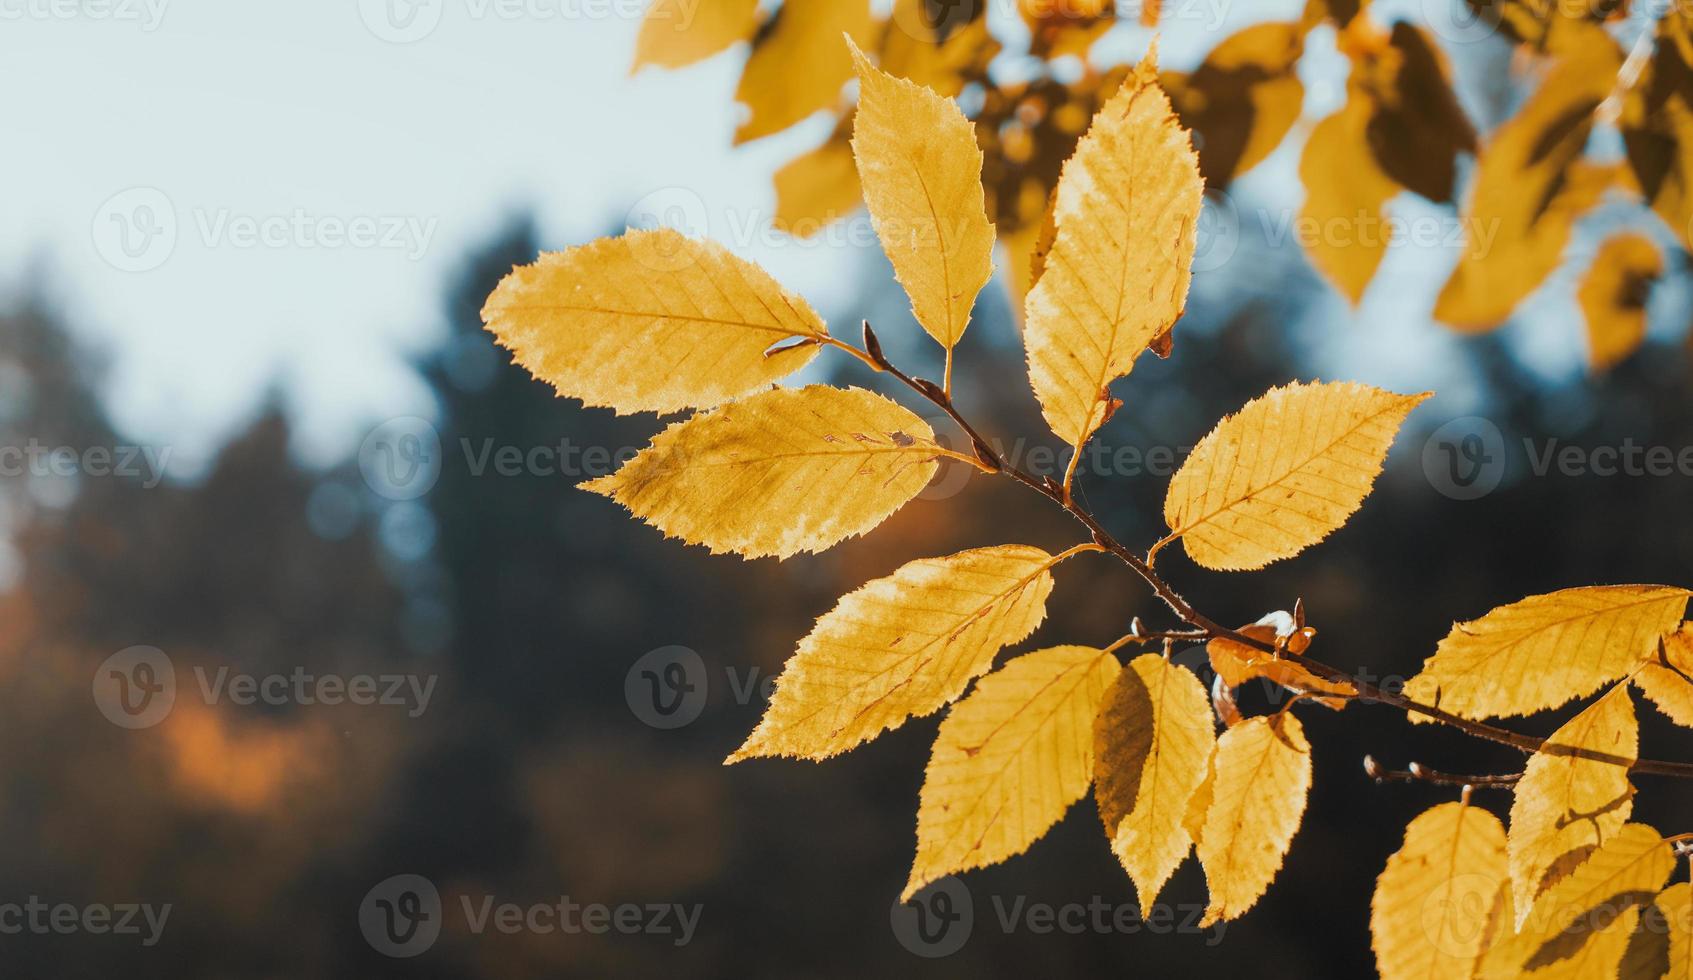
(1203, 626)
(1419, 773)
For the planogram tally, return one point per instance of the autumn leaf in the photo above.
(798, 64)
(1546, 650)
(1009, 760)
(1242, 99)
(1529, 187)
(922, 178)
(651, 321)
(901, 646)
(1657, 128)
(780, 472)
(1667, 677)
(1236, 663)
(1442, 897)
(1346, 195)
(1613, 297)
(1574, 795)
(1126, 213)
(817, 188)
(675, 33)
(1580, 927)
(1676, 903)
(1260, 781)
(1153, 739)
(1283, 473)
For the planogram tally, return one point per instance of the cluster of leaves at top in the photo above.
(653, 321)
(1401, 129)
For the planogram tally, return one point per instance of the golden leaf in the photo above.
(780, 472)
(1676, 903)
(1441, 896)
(1546, 650)
(1613, 297)
(1153, 741)
(1237, 663)
(1581, 926)
(818, 188)
(922, 178)
(1009, 760)
(798, 65)
(1667, 678)
(1260, 781)
(1346, 194)
(1116, 279)
(675, 33)
(651, 321)
(1657, 128)
(1283, 473)
(901, 646)
(1242, 99)
(1574, 795)
(1529, 187)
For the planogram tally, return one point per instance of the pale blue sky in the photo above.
(268, 128)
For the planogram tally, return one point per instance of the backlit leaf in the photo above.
(1260, 782)
(798, 65)
(1581, 926)
(1676, 901)
(1568, 802)
(1530, 186)
(1667, 678)
(651, 321)
(1442, 896)
(1009, 760)
(922, 177)
(1546, 650)
(680, 32)
(780, 472)
(1242, 99)
(1126, 213)
(899, 647)
(1613, 297)
(1153, 740)
(1237, 663)
(1346, 193)
(1283, 473)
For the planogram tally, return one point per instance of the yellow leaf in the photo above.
(1529, 187)
(1237, 663)
(1676, 903)
(1442, 895)
(1259, 786)
(1581, 926)
(1658, 127)
(1613, 297)
(1546, 650)
(1574, 795)
(1283, 473)
(901, 646)
(1009, 760)
(1667, 679)
(675, 33)
(1242, 99)
(1153, 741)
(780, 472)
(922, 177)
(651, 321)
(1346, 194)
(1193, 821)
(798, 65)
(818, 188)
(1126, 211)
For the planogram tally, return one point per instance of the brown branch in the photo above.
(1419, 773)
(1204, 627)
